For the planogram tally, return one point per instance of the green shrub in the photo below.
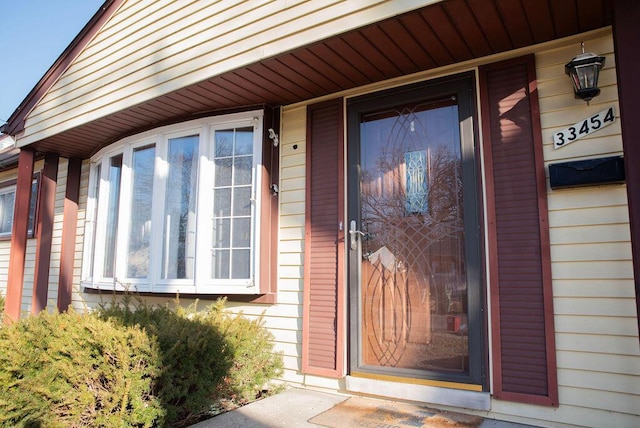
(77, 370)
(250, 346)
(2, 301)
(208, 355)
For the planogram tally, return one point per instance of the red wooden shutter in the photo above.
(523, 344)
(322, 337)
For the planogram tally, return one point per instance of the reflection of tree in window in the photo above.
(180, 208)
(437, 230)
(140, 223)
(422, 239)
(115, 175)
(411, 209)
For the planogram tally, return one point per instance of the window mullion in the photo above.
(91, 220)
(203, 208)
(256, 183)
(157, 216)
(101, 219)
(124, 214)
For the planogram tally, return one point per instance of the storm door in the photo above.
(414, 274)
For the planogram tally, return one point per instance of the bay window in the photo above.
(177, 209)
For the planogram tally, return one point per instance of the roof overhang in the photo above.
(445, 33)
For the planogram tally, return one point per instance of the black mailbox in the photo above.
(609, 170)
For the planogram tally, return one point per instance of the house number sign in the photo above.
(584, 127)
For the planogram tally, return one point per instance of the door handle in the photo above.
(353, 234)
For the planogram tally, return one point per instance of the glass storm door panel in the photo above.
(409, 262)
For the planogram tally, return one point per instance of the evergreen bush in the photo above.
(207, 356)
(72, 370)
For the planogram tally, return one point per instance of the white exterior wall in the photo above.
(148, 49)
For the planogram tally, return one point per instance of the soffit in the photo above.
(442, 34)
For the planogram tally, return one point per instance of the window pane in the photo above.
(222, 202)
(96, 194)
(32, 206)
(242, 201)
(232, 216)
(241, 232)
(221, 233)
(224, 143)
(220, 264)
(115, 173)
(140, 222)
(413, 274)
(241, 264)
(6, 212)
(244, 141)
(180, 208)
(242, 171)
(223, 172)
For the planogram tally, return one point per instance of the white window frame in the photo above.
(12, 188)
(5, 190)
(95, 225)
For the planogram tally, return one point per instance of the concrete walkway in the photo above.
(294, 408)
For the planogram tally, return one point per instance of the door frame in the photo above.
(464, 87)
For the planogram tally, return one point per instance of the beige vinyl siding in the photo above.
(594, 299)
(56, 238)
(28, 279)
(5, 247)
(149, 49)
(5, 244)
(291, 241)
(82, 210)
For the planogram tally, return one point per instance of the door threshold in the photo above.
(420, 390)
(417, 381)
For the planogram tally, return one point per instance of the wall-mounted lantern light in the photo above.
(584, 70)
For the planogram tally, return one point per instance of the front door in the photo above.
(413, 226)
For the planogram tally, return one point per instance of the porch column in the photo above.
(627, 39)
(19, 234)
(69, 233)
(45, 232)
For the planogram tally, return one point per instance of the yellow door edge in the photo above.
(414, 381)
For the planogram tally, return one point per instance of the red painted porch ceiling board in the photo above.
(437, 35)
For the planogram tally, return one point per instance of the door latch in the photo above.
(353, 234)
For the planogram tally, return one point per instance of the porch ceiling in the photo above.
(447, 32)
